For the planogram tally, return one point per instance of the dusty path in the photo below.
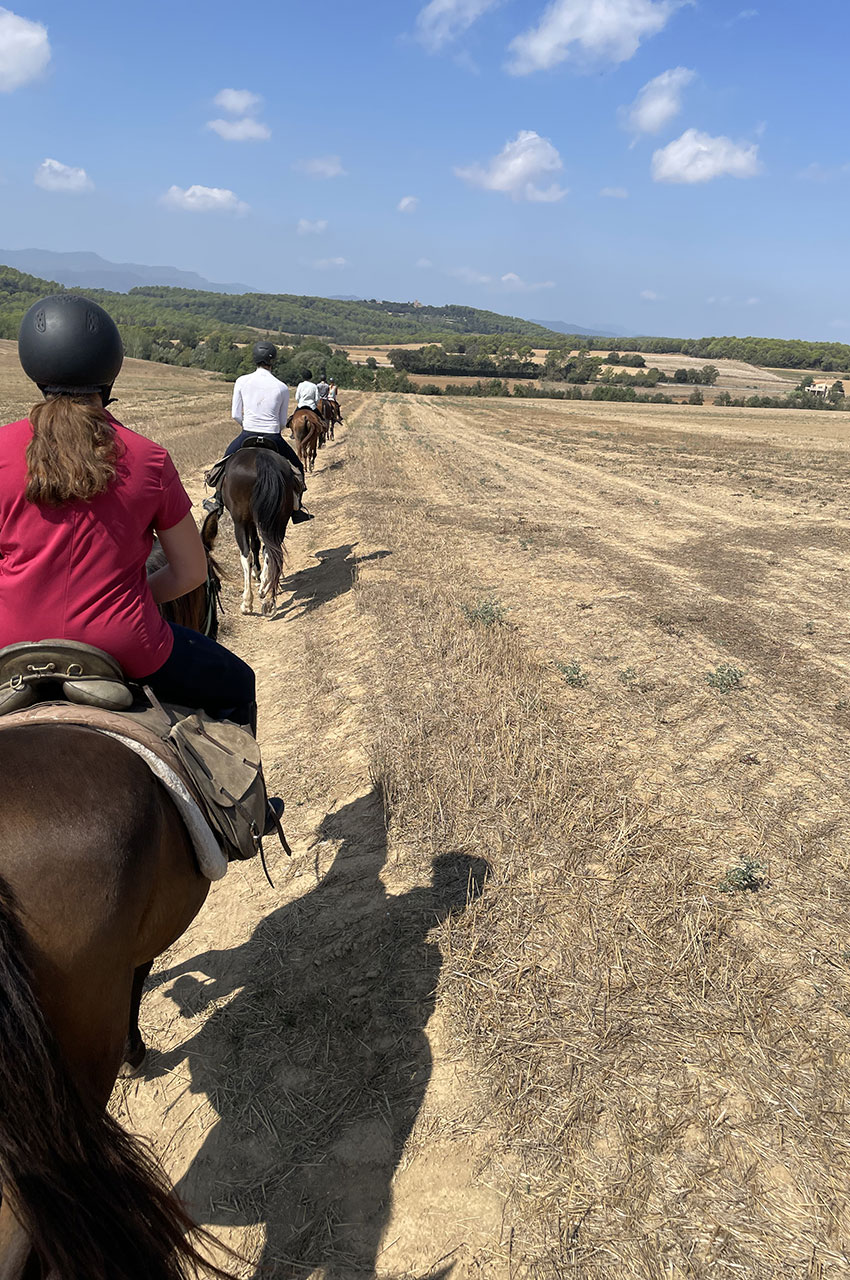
(295, 1026)
(501, 624)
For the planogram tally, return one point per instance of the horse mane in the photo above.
(95, 1203)
(197, 609)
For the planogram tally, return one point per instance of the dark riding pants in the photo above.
(276, 441)
(201, 673)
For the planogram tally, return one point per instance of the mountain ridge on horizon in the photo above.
(81, 269)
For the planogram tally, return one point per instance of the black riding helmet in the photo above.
(69, 345)
(264, 353)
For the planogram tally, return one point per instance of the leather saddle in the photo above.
(215, 475)
(61, 670)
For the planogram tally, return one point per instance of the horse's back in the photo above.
(88, 841)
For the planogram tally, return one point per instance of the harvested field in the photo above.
(558, 979)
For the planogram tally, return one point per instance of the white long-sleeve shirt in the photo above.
(261, 402)
(306, 395)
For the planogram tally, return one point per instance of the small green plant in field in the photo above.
(725, 677)
(628, 676)
(809, 628)
(573, 674)
(843, 704)
(489, 612)
(748, 877)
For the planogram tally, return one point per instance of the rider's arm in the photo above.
(187, 561)
(236, 407)
(283, 409)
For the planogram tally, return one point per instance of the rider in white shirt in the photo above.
(307, 393)
(261, 407)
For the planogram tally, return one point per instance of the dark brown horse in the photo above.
(306, 426)
(97, 877)
(331, 414)
(325, 413)
(258, 490)
(199, 609)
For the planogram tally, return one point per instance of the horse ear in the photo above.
(209, 530)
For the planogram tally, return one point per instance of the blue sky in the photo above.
(717, 131)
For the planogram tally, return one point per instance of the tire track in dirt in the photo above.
(588, 577)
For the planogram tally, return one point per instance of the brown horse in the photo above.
(333, 415)
(97, 877)
(325, 412)
(199, 609)
(306, 426)
(258, 489)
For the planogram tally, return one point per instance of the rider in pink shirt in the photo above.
(81, 498)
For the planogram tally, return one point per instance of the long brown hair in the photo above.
(73, 451)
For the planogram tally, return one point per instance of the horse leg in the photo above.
(265, 585)
(244, 544)
(135, 1049)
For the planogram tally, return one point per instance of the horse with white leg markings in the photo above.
(259, 490)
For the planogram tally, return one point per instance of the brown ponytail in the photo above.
(73, 451)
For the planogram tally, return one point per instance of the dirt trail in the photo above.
(295, 1033)
(637, 1033)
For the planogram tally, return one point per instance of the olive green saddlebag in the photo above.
(224, 762)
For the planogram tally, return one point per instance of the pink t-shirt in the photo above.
(77, 571)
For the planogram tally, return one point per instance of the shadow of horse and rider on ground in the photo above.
(315, 1056)
(325, 581)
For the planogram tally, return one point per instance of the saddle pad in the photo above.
(143, 734)
(211, 861)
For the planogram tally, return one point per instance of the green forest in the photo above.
(215, 331)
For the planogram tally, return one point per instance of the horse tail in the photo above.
(95, 1205)
(271, 511)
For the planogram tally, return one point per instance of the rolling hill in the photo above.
(90, 271)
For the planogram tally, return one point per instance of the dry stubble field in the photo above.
(519, 1028)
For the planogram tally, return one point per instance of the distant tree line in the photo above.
(435, 359)
(770, 353)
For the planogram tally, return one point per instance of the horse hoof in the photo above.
(268, 608)
(134, 1061)
(245, 609)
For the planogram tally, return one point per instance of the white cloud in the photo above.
(322, 167)
(408, 204)
(442, 21)
(743, 16)
(198, 199)
(590, 30)
(658, 102)
(517, 169)
(246, 130)
(24, 50)
(307, 228)
(424, 263)
(615, 193)
(514, 282)
(649, 295)
(697, 157)
(469, 275)
(330, 264)
(237, 102)
(753, 302)
(53, 176)
(816, 172)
